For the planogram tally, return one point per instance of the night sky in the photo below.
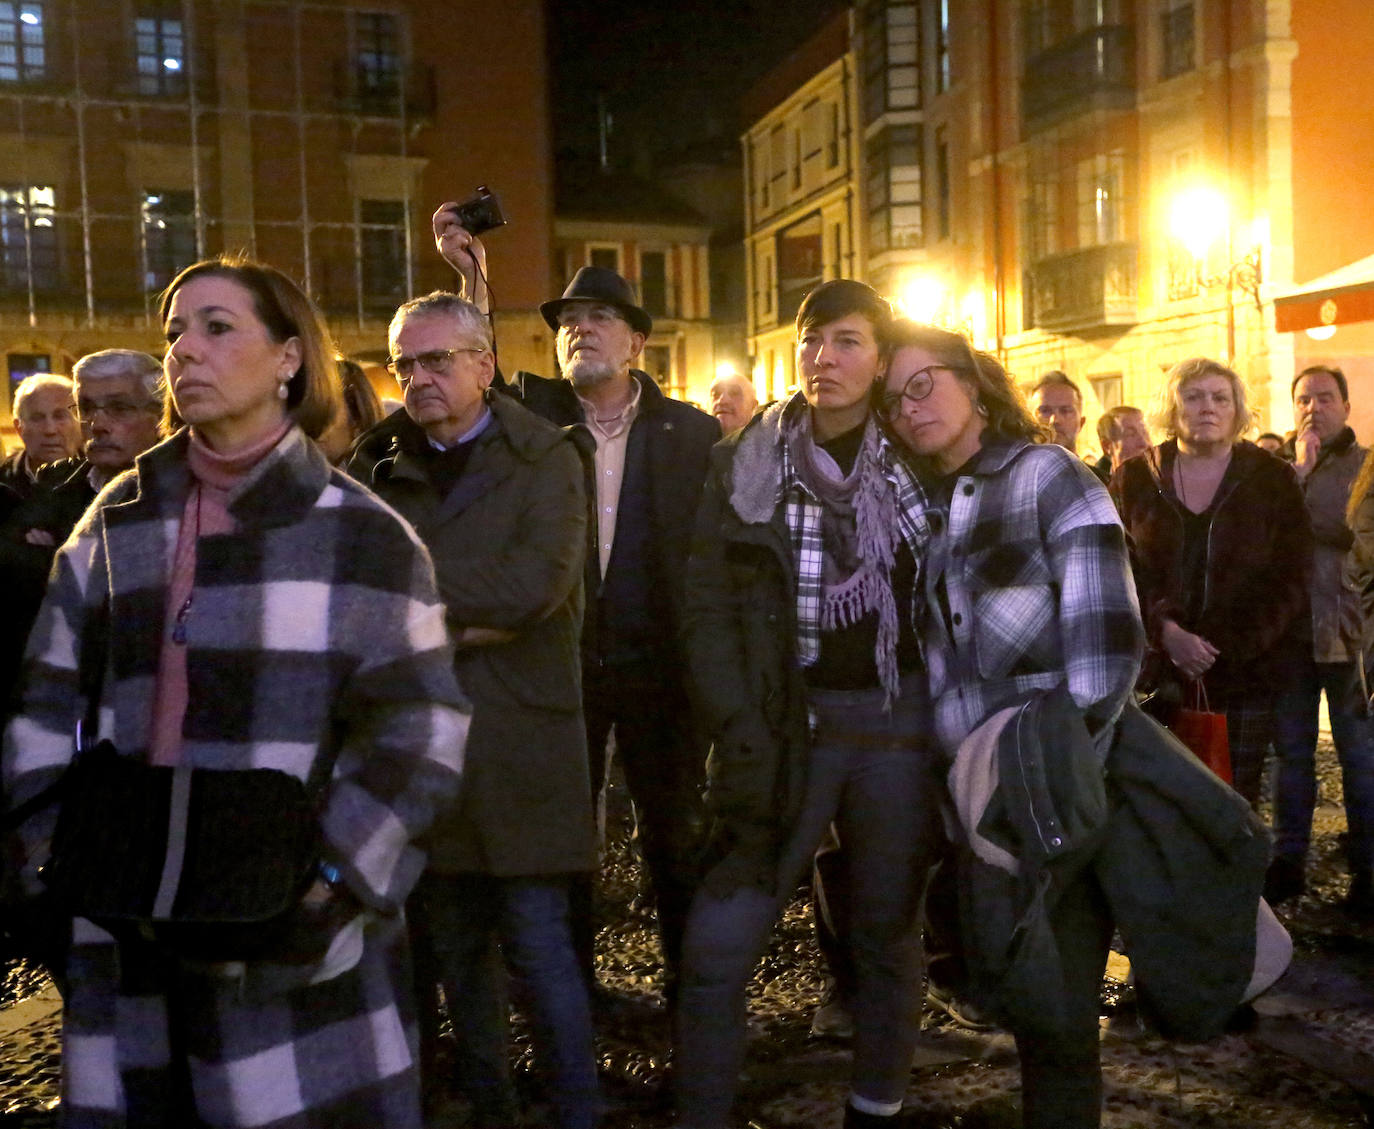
(671, 73)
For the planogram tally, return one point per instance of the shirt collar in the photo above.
(468, 436)
(610, 427)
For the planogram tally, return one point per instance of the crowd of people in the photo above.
(892, 621)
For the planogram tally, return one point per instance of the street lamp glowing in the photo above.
(1198, 217)
(921, 298)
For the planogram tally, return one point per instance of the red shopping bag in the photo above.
(1204, 732)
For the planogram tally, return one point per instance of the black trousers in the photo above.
(664, 762)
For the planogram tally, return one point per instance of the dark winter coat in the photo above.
(679, 443)
(742, 635)
(1259, 561)
(508, 543)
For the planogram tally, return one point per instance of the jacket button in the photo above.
(958, 618)
(968, 489)
(1056, 842)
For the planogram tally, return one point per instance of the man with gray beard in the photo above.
(650, 465)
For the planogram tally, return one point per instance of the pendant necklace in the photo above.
(179, 624)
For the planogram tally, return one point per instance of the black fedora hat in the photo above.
(600, 284)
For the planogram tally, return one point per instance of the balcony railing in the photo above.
(1093, 70)
(1093, 288)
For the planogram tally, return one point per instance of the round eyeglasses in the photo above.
(918, 386)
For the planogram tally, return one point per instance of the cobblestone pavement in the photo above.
(1307, 1063)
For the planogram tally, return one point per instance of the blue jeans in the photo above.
(874, 774)
(1295, 740)
(455, 918)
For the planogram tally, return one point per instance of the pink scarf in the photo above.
(206, 514)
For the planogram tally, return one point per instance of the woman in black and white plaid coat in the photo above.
(264, 609)
(1028, 586)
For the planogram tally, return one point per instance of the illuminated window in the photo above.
(382, 230)
(22, 57)
(1101, 200)
(160, 48)
(28, 238)
(377, 60)
(169, 235)
(894, 189)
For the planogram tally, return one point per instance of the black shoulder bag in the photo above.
(209, 864)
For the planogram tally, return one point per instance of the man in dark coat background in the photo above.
(497, 495)
(650, 465)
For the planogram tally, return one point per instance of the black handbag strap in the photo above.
(90, 678)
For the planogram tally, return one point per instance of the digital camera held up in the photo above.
(481, 213)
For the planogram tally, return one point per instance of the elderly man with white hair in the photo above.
(44, 417)
(733, 401)
(117, 394)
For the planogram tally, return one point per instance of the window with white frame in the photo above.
(169, 235)
(23, 52)
(653, 282)
(605, 255)
(1101, 200)
(382, 242)
(28, 237)
(160, 47)
(376, 53)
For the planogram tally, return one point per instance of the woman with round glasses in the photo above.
(801, 635)
(1027, 587)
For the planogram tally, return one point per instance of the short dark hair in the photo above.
(1330, 370)
(1277, 438)
(839, 298)
(1057, 377)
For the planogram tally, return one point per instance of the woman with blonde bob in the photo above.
(1221, 544)
(1027, 588)
(249, 608)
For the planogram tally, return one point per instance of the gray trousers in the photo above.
(875, 774)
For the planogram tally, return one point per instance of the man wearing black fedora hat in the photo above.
(650, 464)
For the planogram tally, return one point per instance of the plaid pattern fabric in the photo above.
(802, 513)
(1038, 588)
(315, 623)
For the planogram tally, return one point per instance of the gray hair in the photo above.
(444, 303)
(120, 364)
(36, 383)
(1168, 399)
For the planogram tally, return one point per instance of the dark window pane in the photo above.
(607, 257)
(169, 235)
(383, 239)
(653, 282)
(1177, 41)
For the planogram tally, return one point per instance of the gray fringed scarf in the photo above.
(858, 537)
